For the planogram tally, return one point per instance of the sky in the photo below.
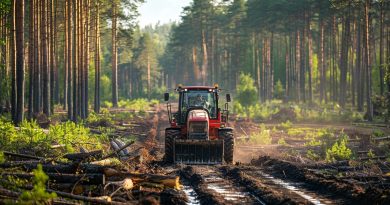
(163, 11)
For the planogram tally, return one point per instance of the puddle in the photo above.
(294, 187)
(229, 191)
(191, 195)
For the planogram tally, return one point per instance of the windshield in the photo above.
(198, 98)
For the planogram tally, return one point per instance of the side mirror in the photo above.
(166, 96)
(228, 98)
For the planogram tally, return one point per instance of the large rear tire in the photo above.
(170, 135)
(228, 143)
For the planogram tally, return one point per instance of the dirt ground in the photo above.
(270, 174)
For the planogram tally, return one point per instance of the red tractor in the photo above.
(198, 132)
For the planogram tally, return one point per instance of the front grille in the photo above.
(198, 130)
(198, 127)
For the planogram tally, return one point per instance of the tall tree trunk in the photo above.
(360, 70)
(148, 75)
(65, 51)
(74, 59)
(367, 60)
(37, 61)
(31, 57)
(13, 63)
(19, 61)
(114, 61)
(97, 60)
(310, 62)
(320, 65)
(302, 66)
(70, 57)
(344, 62)
(381, 49)
(88, 28)
(205, 61)
(45, 63)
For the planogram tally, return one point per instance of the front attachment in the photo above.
(189, 151)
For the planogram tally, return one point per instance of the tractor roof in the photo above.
(198, 87)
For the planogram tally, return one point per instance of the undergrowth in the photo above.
(261, 137)
(38, 195)
(30, 137)
(276, 110)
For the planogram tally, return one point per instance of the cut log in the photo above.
(116, 147)
(97, 154)
(373, 158)
(12, 164)
(107, 162)
(167, 181)
(120, 143)
(98, 200)
(83, 179)
(73, 188)
(25, 156)
(115, 153)
(55, 168)
(8, 193)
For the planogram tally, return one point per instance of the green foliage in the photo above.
(158, 93)
(262, 137)
(378, 133)
(312, 155)
(107, 104)
(105, 90)
(313, 143)
(282, 141)
(2, 158)
(246, 91)
(279, 90)
(31, 136)
(370, 154)
(238, 109)
(140, 104)
(38, 194)
(73, 136)
(102, 119)
(286, 125)
(339, 150)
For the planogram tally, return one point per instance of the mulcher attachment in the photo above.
(205, 152)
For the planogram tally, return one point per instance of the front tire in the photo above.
(170, 135)
(228, 143)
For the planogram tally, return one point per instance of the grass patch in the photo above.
(262, 137)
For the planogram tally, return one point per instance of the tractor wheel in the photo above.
(170, 135)
(228, 143)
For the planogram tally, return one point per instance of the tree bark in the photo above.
(114, 61)
(97, 61)
(20, 61)
(31, 56)
(45, 60)
(13, 63)
(367, 60)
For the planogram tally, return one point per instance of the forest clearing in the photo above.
(218, 102)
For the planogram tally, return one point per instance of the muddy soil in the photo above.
(255, 179)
